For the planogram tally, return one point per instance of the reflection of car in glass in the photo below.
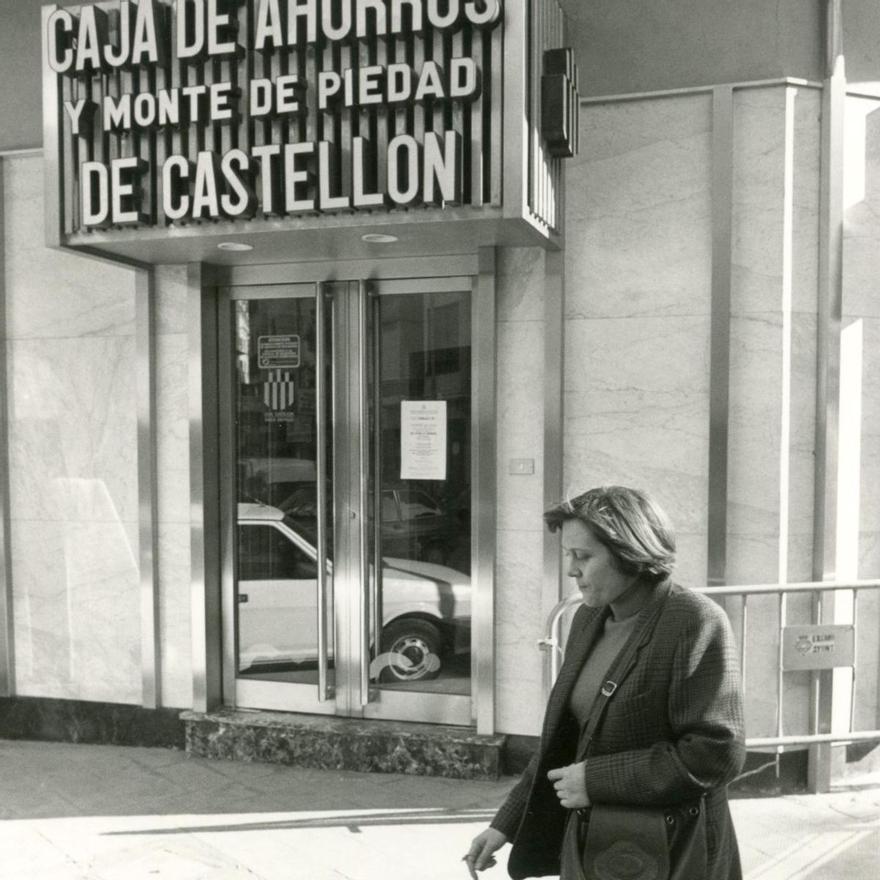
(425, 607)
(414, 526)
(269, 479)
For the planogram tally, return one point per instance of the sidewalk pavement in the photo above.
(83, 812)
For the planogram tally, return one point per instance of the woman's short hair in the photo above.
(634, 528)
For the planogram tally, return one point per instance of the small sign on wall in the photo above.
(423, 439)
(818, 647)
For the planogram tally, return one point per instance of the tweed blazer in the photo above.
(672, 731)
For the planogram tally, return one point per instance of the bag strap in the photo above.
(619, 667)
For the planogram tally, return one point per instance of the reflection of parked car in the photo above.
(425, 607)
(269, 479)
(413, 524)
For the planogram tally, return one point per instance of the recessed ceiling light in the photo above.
(234, 246)
(378, 238)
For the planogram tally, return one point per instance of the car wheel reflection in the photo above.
(413, 649)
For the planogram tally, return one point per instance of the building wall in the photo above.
(636, 377)
(72, 460)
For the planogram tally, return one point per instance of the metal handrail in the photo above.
(553, 645)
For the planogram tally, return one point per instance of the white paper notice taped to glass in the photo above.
(423, 439)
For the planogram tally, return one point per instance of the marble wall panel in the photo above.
(802, 443)
(519, 623)
(861, 300)
(869, 555)
(861, 281)
(76, 610)
(755, 427)
(691, 558)
(638, 284)
(172, 427)
(869, 495)
(637, 409)
(520, 283)
(760, 368)
(175, 615)
(172, 297)
(173, 495)
(520, 418)
(51, 293)
(867, 711)
(806, 167)
(72, 460)
(638, 210)
(776, 165)
(861, 304)
(73, 452)
(759, 150)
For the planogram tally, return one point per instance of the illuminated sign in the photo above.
(184, 111)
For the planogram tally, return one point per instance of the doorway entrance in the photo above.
(346, 497)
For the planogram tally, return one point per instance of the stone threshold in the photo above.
(331, 743)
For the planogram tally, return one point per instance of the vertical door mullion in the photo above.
(325, 691)
(375, 390)
(366, 583)
(341, 493)
(228, 496)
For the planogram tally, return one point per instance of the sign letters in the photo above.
(166, 71)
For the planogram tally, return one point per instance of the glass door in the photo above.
(419, 489)
(347, 541)
(276, 381)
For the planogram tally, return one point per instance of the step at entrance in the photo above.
(344, 744)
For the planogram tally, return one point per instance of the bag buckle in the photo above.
(609, 688)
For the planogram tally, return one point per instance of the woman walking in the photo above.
(644, 726)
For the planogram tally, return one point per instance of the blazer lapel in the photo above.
(647, 620)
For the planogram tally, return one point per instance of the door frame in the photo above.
(480, 266)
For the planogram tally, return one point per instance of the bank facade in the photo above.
(311, 309)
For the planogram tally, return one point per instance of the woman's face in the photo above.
(592, 566)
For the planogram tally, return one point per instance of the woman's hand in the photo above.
(571, 785)
(479, 856)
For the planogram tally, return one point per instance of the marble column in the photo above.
(519, 616)
(72, 460)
